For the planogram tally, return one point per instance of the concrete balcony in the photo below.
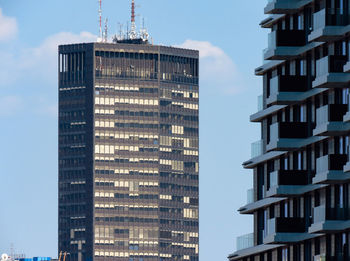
(285, 230)
(285, 183)
(286, 89)
(287, 135)
(329, 72)
(329, 25)
(284, 44)
(329, 120)
(284, 6)
(329, 169)
(329, 219)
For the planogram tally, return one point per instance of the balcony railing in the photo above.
(331, 112)
(288, 130)
(281, 38)
(288, 83)
(260, 102)
(285, 225)
(245, 241)
(330, 162)
(250, 196)
(330, 17)
(257, 148)
(322, 214)
(288, 178)
(330, 64)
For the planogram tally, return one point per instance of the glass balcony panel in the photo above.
(319, 214)
(320, 19)
(274, 85)
(257, 148)
(322, 66)
(245, 241)
(271, 226)
(250, 196)
(260, 102)
(274, 179)
(322, 115)
(271, 40)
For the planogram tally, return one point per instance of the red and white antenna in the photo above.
(100, 38)
(133, 33)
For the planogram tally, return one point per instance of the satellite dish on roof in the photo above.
(4, 257)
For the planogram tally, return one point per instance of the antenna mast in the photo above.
(133, 25)
(106, 31)
(99, 39)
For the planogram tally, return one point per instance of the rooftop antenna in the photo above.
(106, 31)
(132, 33)
(120, 31)
(99, 39)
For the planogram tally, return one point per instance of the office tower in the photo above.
(128, 151)
(300, 201)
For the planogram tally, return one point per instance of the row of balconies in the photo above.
(330, 169)
(331, 120)
(287, 89)
(281, 230)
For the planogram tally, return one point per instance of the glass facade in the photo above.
(135, 145)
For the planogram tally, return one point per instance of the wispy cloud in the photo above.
(8, 27)
(217, 69)
(34, 70)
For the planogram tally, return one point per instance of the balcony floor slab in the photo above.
(283, 238)
(331, 80)
(331, 177)
(328, 33)
(334, 128)
(284, 7)
(291, 190)
(251, 251)
(329, 226)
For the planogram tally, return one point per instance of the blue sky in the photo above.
(230, 41)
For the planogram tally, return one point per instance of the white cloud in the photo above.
(8, 27)
(10, 105)
(33, 71)
(39, 63)
(217, 70)
(42, 60)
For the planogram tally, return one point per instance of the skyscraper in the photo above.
(128, 151)
(301, 195)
